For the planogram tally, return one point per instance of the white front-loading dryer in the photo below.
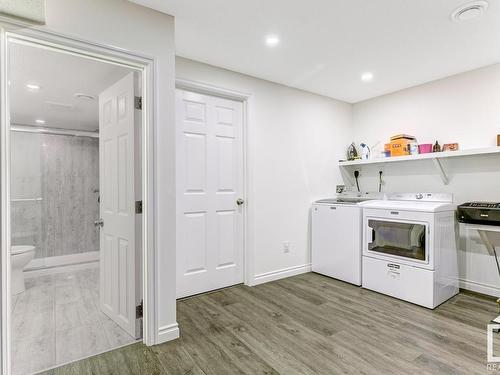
(409, 248)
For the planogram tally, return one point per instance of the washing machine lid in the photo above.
(351, 198)
(21, 249)
(418, 206)
(330, 201)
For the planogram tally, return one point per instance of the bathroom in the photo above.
(56, 265)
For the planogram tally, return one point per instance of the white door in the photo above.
(118, 262)
(209, 185)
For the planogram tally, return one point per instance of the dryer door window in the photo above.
(406, 240)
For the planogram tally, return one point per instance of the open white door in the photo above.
(119, 259)
(209, 193)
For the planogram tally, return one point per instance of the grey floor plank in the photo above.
(233, 354)
(136, 359)
(264, 336)
(292, 343)
(310, 324)
(175, 359)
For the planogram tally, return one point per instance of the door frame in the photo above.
(20, 32)
(247, 101)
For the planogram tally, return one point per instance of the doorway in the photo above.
(210, 192)
(75, 197)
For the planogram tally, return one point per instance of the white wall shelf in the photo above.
(434, 157)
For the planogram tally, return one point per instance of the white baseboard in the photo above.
(280, 274)
(474, 286)
(61, 264)
(168, 333)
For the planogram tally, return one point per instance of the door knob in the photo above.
(99, 223)
(240, 201)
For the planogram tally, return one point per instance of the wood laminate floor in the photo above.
(310, 324)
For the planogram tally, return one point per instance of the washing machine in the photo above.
(336, 234)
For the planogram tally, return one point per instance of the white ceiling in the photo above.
(60, 76)
(327, 44)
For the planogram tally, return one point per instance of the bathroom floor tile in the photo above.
(79, 342)
(115, 335)
(58, 319)
(67, 294)
(76, 314)
(31, 355)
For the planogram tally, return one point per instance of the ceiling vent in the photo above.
(80, 95)
(470, 10)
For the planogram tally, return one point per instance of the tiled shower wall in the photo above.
(54, 186)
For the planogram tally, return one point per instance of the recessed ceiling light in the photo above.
(40, 121)
(469, 10)
(367, 77)
(272, 40)
(32, 86)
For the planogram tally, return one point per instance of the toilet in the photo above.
(20, 256)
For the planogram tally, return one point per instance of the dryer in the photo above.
(409, 248)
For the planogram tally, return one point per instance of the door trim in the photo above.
(247, 100)
(13, 31)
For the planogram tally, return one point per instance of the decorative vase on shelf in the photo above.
(365, 151)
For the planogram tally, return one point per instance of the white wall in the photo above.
(131, 27)
(295, 141)
(464, 109)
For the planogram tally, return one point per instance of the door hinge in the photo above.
(138, 207)
(138, 102)
(139, 310)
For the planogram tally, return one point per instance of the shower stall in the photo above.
(55, 192)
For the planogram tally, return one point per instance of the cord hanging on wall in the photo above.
(356, 175)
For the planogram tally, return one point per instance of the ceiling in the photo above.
(59, 76)
(327, 44)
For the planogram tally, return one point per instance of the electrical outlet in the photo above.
(286, 247)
